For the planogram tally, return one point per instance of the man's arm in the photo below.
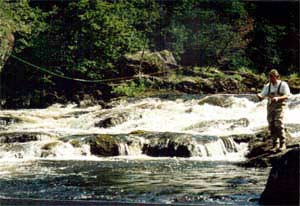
(280, 98)
(260, 97)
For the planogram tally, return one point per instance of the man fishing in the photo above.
(277, 92)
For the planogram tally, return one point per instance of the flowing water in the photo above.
(52, 167)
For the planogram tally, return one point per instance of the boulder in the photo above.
(217, 100)
(283, 183)
(147, 62)
(113, 120)
(168, 145)
(260, 149)
(294, 84)
(104, 145)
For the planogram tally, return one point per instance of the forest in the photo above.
(87, 39)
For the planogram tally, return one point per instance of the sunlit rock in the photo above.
(147, 62)
(217, 100)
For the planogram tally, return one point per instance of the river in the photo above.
(211, 175)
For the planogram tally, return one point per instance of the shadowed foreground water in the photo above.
(158, 180)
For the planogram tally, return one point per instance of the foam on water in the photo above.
(150, 114)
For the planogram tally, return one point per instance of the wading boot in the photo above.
(282, 146)
(276, 146)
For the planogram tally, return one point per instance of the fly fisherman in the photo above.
(277, 92)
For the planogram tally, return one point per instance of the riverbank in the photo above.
(154, 76)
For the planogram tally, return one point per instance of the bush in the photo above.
(130, 89)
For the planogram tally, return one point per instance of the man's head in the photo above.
(273, 76)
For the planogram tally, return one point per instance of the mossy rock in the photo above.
(50, 145)
(75, 143)
(294, 84)
(137, 132)
(104, 145)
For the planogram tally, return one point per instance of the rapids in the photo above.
(45, 153)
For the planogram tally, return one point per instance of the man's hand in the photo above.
(274, 99)
(259, 97)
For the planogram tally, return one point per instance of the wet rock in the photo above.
(243, 138)
(168, 145)
(260, 149)
(293, 127)
(283, 183)
(50, 145)
(113, 121)
(228, 124)
(104, 145)
(19, 137)
(6, 120)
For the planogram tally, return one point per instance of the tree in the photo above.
(275, 36)
(19, 24)
(207, 32)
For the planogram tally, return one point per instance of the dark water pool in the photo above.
(134, 180)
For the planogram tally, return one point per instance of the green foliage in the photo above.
(87, 39)
(92, 36)
(207, 33)
(18, 19)
(130, 89)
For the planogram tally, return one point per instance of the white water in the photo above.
(150, 114)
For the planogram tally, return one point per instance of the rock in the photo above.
(294, 84)
(260, 149)
(229, 124)
(149, 62)
(251, 82)
(50, 145)
(167, 145)
(189, 86)
(207, 86)
(112, 121)
(19, 137)
(104, 145)
(283, 183)
(217, 100)
(7, 120)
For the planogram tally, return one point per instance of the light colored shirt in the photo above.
(284, 89)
